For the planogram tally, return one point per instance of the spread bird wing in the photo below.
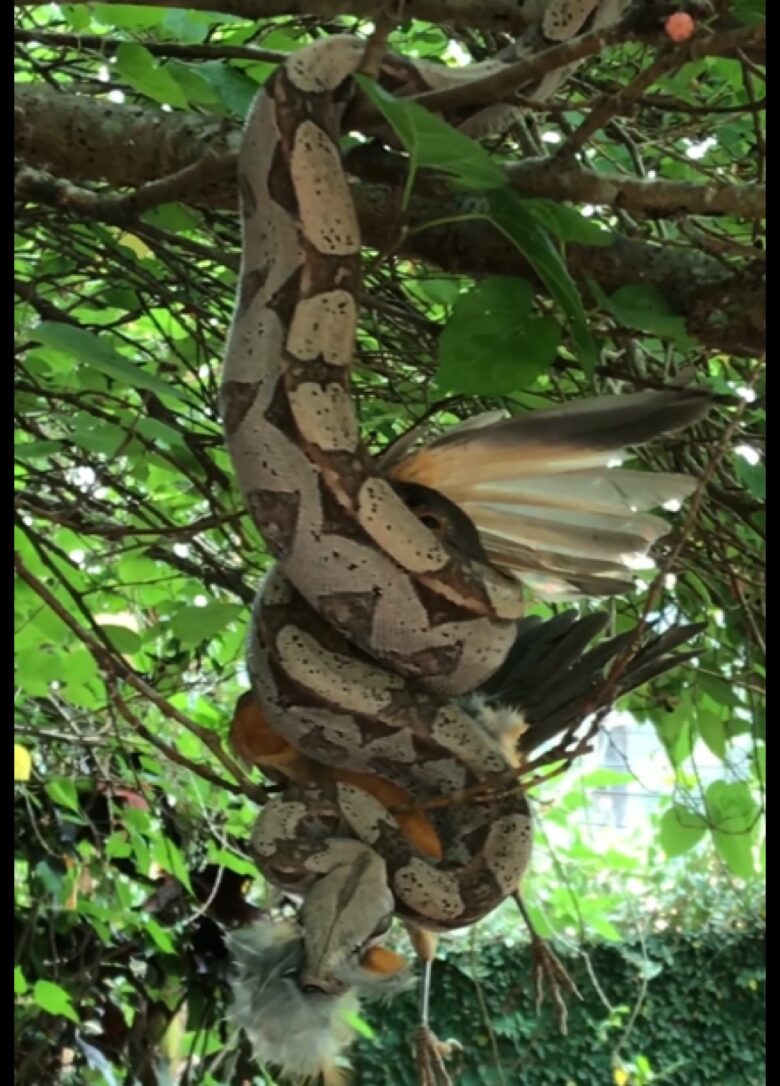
(545, 493)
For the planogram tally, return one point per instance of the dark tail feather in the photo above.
(551, 680)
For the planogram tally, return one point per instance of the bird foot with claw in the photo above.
(431, 1054)
(548, 970)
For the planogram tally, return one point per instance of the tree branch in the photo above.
(486, 14)
(84, 138)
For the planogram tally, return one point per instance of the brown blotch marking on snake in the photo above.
(247, 197)
(353, 609)
(236, 397)
(278, 412)
(251, 283)
(438, 610)
(278, 514)
(442, 660)
(280, 187)
(334, 521)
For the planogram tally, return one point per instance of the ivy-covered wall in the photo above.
(700, 1021)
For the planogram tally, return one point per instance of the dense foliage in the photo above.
(679, 1009)
(611, 240)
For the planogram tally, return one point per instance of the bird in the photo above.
(544, 689)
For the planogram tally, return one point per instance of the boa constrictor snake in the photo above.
(397, 590)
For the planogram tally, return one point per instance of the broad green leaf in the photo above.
(129, 16)
(64, 793)
(236, 91)
(170, 858)
(508, 212)
(492, 344)
(606, 778)
(191, 26)
(605, 928)
(194, 625)
(30, 451)
(139, 68)
(644, 308)
(53, 999)
(22, 763)
(433, 144)
(733, 814)
(94, 351)
(681, 829)
(568, 224)
(749, 12)
(223, 858)
(122, 638)
(173, 217)
(719, 689)
(197, 89)
(674, 731)
(160, 936)
(712, 728)
(752, 476)
(98, 436)
(117, 846)
(20, 982)
(78, 17)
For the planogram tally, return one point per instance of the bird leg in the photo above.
(430, 1052)
(548, 969)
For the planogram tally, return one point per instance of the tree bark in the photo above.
(75, 138)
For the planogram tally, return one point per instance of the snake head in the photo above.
(344, 915)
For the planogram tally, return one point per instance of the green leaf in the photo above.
(236, 91)
(20, 982)
(78, 17)
(644, 308)
(605, 928)
(712, 728)
(160, 936)
(223, 858)
(129, 16)
(138, 67)
(568, 224)
(117, 847)
(53, 999)
(194, 625)
(733, 814)
(674, 731)
(122, 639)
(681, 829)
(491, 344)
(606, 778)
(30, 451)
(719, 689)
(64, 793)
(749, 12)
(170, 858)
(433, 144)
(196, 88)
(510, 215)
(359, 1025)
(94, 351)
(752, 477)
(174, 217)
(189, 26)
(98, 436)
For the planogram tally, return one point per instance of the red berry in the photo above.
(680, 26)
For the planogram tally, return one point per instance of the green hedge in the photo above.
(700, 1023)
